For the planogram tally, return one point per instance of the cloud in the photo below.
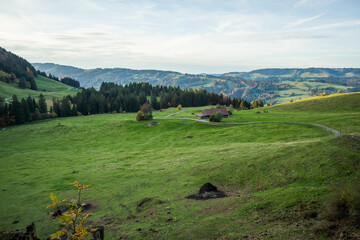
(302, 21)
(342, 24)
(313, 3)
(184, 36)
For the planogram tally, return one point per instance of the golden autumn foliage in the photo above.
(75, 220)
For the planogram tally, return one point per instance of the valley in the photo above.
(278, 177)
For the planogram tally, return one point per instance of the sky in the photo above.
(189, 36)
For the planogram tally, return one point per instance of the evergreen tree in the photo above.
(22, 83)
(33, 84)
(42, 104)
(30, 103)
(155, 103)
(26, 109)
(142, 98)
(18, 111)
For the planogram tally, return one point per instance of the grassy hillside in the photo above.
(48, 87)
(278, 176)
(338, 111)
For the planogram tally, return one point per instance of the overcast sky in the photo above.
(192, 36)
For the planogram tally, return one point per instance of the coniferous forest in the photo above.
(113, 98)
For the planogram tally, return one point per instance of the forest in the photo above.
(114, 98)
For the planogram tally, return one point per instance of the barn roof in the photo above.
(208, 112)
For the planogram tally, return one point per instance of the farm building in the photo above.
(207, 112)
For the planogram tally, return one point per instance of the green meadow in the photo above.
(46, 86)
(278, 177)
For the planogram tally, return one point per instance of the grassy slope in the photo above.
(48, 87)
(273, 173)
(301, 90)
(338, 111)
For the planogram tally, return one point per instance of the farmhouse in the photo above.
(207, 112)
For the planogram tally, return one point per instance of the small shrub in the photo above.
(216, 117)
(145, 113)
(53, 114)
(179, 107)
(340, 91)
(323, 94)
(73, 222)
(344, 203)
(338, 205)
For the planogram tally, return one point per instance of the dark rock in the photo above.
(189, 136)
(15, 222)
(207, 191)
(169, 220)
(207, 187)
(4, 190)
(138, 229)
(75, 172)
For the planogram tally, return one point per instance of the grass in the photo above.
(338, 111)
(271, 172)
(46, 86)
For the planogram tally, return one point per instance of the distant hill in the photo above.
(94, 78)
(263, 74)
(274, 85)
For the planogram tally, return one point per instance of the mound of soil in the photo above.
(207, 191)
(152, 124)
(146, 203)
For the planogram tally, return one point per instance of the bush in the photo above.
(179, 107)
(343, 203)
(145, 113)
(216, 117)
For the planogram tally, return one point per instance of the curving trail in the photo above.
(337, 133)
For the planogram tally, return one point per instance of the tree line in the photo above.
(24, 110)
(114, 98)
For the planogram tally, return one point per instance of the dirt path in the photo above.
(175, 113)
(337, 133)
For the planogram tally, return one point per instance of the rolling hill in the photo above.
(282, 180)
(19, 77)
(272, 85)
(262, 74)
